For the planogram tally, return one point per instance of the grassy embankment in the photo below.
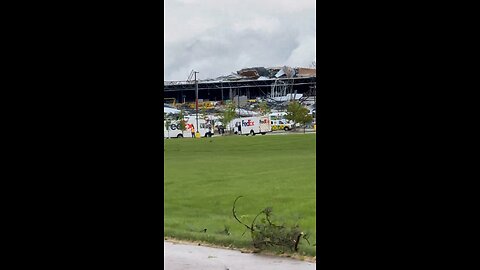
(204, 176)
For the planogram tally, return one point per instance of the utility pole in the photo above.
(238, 108)
(196, 99)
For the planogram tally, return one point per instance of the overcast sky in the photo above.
(218, 37)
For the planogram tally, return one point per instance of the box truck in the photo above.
(204, 128)
(251, 125)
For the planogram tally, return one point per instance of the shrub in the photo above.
(265, 233)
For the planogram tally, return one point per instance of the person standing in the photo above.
(193, 131)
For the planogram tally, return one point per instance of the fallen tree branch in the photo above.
(235, 216)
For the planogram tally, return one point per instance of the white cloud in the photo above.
(259, 24)
(218, 37)
(303, 53)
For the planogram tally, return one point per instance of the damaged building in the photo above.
(273, 82)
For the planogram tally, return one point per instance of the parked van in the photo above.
(279, 122)
(251, 125)
(281, 125)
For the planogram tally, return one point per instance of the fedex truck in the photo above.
(173, 130)
(251, 125)
(204, 128)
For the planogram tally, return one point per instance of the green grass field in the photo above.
(204, 176)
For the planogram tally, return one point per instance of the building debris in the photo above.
(258, 73)
(306, 72)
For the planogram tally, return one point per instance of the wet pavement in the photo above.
(182, 257)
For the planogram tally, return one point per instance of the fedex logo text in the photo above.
(248, 123)
(264, 121)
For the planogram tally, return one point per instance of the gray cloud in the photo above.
(216, 37)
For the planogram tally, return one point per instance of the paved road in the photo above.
(289, 132)
(183, 257)
(281, 132)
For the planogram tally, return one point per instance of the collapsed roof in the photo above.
(260, 73)
(276, 72)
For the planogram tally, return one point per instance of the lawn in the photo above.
(204, 176)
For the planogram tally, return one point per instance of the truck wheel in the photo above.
(179, 136)
(252, 133)
(286, 128)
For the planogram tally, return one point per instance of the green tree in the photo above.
(306, 119)
(181, 118)
(264, 108)
(298, 114)
(203, 111)
(228, 115)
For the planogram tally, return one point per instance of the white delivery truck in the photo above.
(206, 125)
(204, 128)
(251, 125)
(174, 130)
